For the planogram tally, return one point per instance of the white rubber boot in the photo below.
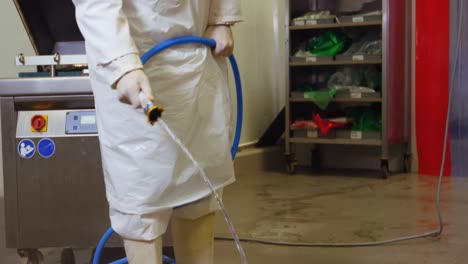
(144, 252)
(194, 239)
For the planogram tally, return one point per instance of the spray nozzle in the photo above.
(153, 112)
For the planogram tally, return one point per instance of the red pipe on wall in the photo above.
(432, 83)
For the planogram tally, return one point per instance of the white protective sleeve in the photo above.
(107, 33)
(225, 11)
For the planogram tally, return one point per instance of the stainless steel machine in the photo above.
(54, 188)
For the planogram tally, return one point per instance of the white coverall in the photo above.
(146, 174)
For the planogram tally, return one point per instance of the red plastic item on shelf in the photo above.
(326, 126)
(303, 124)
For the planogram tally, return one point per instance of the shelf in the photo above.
(344, 62)
(336, 25)
(340, 100)
(337, 141)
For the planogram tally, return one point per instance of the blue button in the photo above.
(46, 148)
(26, 148)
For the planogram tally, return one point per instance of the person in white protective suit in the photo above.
(149, 180)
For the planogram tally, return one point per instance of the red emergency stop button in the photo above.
(39, 123)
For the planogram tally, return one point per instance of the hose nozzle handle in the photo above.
(153, 112)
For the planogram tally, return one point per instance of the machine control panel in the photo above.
(56, 123)
(81, 122)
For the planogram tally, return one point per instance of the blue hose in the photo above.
(240, 113)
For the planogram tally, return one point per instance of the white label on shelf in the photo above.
(356, 95)
(358, 57)
(356, 135)
(299, 23)
(358, 19)
(312, 133)
(311, 59)
(311, 22)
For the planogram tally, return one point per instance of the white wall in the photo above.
(260, 50)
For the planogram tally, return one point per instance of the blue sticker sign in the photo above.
(26, 149)
(46, 148)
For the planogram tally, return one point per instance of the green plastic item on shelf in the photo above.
(321, 98)
(367, 120)
(328, 43)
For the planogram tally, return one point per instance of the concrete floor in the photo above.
(339, 206)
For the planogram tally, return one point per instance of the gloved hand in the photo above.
(130, 86)
(224, 40)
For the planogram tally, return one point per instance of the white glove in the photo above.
(130, 86)
(224, 40)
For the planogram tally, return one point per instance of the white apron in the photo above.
(146, 174)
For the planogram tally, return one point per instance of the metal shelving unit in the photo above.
(343, 62)
(337, 141)
(336, 25)
(395, 64)
(339, 100)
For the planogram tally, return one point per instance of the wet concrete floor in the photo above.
(345, 209)
(333, 207)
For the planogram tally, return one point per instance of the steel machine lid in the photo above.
(51, 26)
(60, 52)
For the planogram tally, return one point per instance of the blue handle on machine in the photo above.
(240, 106)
